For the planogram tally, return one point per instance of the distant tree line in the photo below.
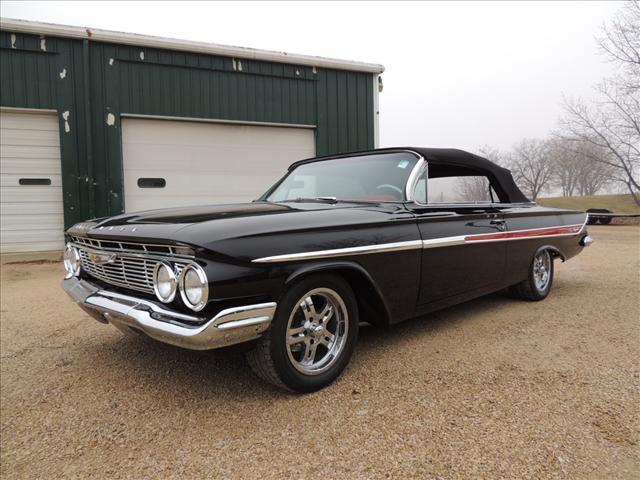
(597, 143)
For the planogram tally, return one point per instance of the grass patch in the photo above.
(622, 203)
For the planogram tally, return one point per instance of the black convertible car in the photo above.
(378, 236)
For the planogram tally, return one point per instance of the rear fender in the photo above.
(555, 252)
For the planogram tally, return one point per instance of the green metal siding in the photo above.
(101, 79)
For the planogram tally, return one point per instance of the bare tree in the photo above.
(473, 189)
(567, 168)
(532, 166)
(621, 40)
(612, 121)
(576, 171)
(493, 154)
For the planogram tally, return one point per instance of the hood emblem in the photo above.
(102, 258)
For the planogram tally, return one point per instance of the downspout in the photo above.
(87, 126)
(377, 84)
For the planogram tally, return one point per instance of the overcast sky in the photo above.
(457, 74)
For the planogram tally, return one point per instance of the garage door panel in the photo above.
(40, 235)
(206, 162)
(29, 137)
(33, 245)
(171, 133)
(32, 222)
(30, 121)
(213, 165)
(27, 195)
(221, 158)
(181, 187)
(32, 166)
(22, 152)
(13, 180)
(23, 208)
(31, 216)
(183, 183)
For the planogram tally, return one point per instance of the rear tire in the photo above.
(311, 337)
(539, 279)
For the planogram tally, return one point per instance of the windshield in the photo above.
(377, 177)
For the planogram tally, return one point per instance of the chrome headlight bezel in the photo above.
(173, 281)
(204, 287)
(71, 261)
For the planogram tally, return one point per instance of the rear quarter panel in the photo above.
(520, 252)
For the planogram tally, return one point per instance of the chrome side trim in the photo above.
(443, 242)
(228, 327)
(418, 244)
(584, 224)
(477, 238)
(342, 252)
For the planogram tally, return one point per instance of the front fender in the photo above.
(371, 302)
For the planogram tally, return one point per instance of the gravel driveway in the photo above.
(492, 388)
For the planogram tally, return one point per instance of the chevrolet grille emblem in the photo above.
(102, 258)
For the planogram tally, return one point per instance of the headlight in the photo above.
(71, 261)
(194, 287)
(165, 282)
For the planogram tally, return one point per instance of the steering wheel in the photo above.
(397, 192)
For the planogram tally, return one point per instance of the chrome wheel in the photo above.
(317, 331)
(542, 270)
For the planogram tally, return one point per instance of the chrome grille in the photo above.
(132, 267)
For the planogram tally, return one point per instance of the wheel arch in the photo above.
(371, 303)
(553, 250)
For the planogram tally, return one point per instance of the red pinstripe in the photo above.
(536, 232)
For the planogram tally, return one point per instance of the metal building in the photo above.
(94, 123)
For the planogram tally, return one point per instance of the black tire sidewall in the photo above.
(291, 377)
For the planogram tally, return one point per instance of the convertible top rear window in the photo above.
(378, 177)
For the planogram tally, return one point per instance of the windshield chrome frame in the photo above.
(409, 186)
(412, 182)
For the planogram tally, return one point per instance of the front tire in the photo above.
(539, 280)
(311, 337)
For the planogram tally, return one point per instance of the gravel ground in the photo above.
(494, 388)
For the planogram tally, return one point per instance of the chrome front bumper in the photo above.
(228, 327)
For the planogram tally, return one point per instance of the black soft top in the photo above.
(443, 162)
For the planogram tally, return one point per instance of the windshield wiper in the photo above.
(313, 199)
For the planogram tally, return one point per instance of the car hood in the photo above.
(212, 226)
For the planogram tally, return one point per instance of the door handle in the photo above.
(499, 224)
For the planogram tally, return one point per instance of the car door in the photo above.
(453, 262)
(459, 255)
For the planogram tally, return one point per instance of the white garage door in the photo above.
(173, 163)
(31, 214)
